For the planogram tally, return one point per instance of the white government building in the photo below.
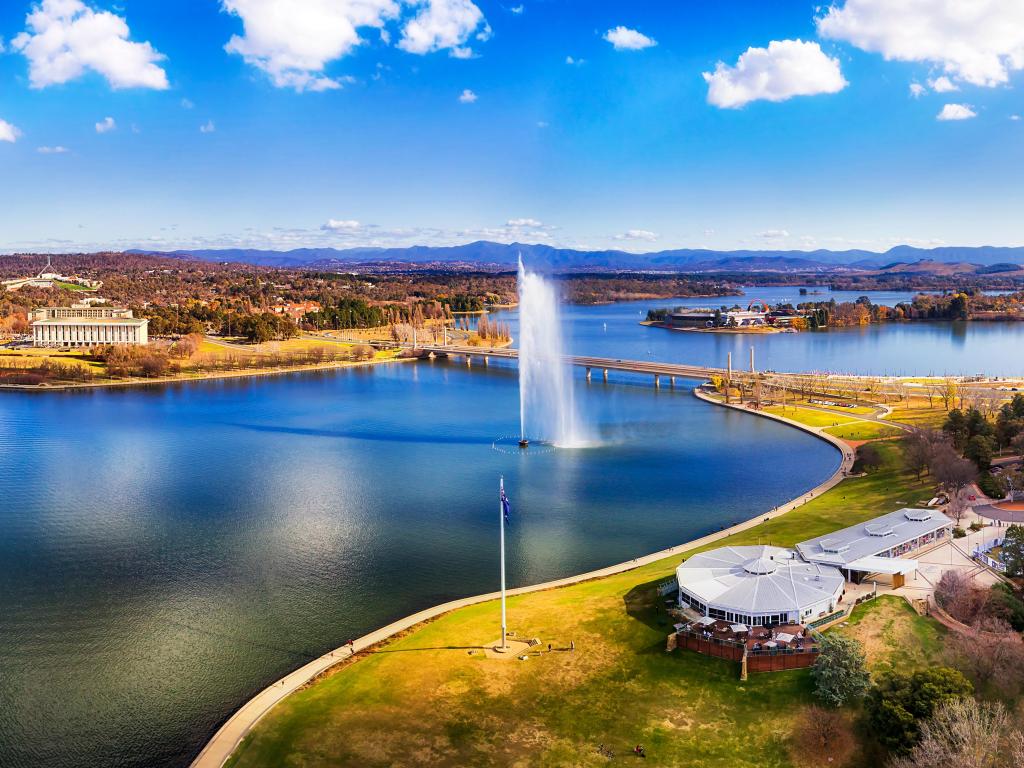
(83, 325)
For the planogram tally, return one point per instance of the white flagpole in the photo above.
(501, 523)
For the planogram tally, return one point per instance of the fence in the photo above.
(982, 556)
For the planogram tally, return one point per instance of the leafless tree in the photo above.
(992, 655)
(963, 733)
(958, 595)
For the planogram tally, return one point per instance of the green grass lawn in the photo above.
(894, 636)
(424, 699)
(809, 417)
(864, 430)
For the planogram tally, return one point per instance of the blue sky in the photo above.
(643, 126)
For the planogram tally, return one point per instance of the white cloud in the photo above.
(626, 39)
(444, 25)
(467, 96)
(526, 222)
(65, 38)
(517, 9)
(786, 68)
(979, 42)
(1015, 117)
(917, 90)
(57, 150)
(208, 127)
(293, 41)
(773, 234)
(943, 85)
(956, 112)
(341, 225)
(8, 132)
(106, 125)
(187, 104)
(638, 234)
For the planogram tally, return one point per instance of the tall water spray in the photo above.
(547, 410)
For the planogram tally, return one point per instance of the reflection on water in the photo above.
(168, 551)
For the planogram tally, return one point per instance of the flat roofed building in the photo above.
(877, 546)
(758, 586)
(78, 311)
(86, 326)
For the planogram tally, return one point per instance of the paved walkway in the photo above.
(229, 736)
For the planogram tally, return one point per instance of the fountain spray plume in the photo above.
(547, 409)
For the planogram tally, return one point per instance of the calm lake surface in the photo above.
(906, 348)
(168, 551)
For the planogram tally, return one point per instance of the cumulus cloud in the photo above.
(187, 104)
(773, 234)
(8, 132)
(943, 85)
(106, 125)
(979, 42)
(341, 225)
(786, 68)
(917, 90)
(1015, 117)
(626, 39)
(66, 38)
(525, 222)
(572, 61)
(207, 127)
(57, 150)
(956, 112)
(467, 96)
(516, 9)
(293, 41)
(444, 25)
(638, 234)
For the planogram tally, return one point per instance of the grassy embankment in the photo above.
(424, 699)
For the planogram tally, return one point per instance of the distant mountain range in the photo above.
(902, 258)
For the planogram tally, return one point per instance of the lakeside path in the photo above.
(240, 724)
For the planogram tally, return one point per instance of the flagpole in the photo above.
(501, 524)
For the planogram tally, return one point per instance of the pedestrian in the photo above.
(572, 645)
(549, 647)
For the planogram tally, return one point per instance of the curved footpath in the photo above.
(237, 727)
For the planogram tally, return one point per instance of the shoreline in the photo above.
(213, 376)
(229, 735)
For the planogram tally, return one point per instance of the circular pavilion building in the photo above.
(758, 586)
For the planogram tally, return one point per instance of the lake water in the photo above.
(168, 551)
(905, 348)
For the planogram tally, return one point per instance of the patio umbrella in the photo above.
(771, 644)
(705, 620)
(738, 628)
(784, 637)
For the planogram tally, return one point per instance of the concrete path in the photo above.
(229, 736)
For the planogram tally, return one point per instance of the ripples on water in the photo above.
(169, 551)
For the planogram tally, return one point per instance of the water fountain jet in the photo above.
(547, 409)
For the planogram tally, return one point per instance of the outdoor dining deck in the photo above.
(758, 649)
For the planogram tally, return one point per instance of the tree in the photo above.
(917, 451)
(980, 449)
(956, 427)
(958, 596)
(840, 672)
(963, 732)
(1013, 550)
(1018, 444)
(899, 702)
(951, 471)
(992, 656)
(868, 458)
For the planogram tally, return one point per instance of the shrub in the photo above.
(993, 486)
(959, 533)
(900, 702)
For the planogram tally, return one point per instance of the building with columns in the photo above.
(85, 326)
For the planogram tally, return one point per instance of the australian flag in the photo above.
(506, 505)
